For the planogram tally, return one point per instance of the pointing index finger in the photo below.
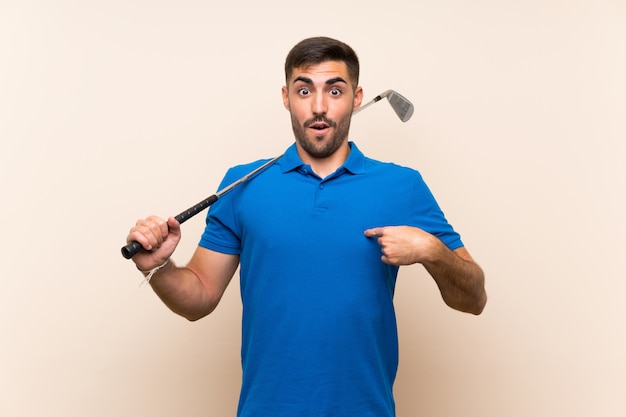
(374, 232)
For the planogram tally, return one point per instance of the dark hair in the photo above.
(316, 50)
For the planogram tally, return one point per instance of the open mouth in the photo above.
(319, 126)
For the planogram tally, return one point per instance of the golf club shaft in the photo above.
(372, 101)
(134, 247)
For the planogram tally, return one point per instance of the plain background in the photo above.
(113, 110)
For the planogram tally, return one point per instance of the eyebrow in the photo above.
(330, 81)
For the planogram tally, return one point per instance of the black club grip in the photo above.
(131, 249)
(134, 247)
(192, 211)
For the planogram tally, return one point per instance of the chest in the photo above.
(300, 208)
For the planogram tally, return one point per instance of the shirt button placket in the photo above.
(320, 206)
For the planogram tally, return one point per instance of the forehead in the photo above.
(321, 72)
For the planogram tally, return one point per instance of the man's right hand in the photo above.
(158, 238)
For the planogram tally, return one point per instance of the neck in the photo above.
(326, 165)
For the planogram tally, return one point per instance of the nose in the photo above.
(319, 105)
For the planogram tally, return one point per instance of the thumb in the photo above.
(374, 232)
(174, 226)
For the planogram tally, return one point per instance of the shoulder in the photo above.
(375, 166)
(238, 171)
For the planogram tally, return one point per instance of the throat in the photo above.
(325, 166)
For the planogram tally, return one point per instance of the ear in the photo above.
(358, 98)
(285, 97)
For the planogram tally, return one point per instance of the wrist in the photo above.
(150, 273)
(434, 251)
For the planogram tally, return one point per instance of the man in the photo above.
(319, 236)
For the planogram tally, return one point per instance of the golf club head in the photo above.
(400, 105)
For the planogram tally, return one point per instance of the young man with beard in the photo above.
(319, 256)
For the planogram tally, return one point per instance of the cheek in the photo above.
(297, 114)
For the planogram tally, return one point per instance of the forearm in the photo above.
(460, 280)
(182, 291)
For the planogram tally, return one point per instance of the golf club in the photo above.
(399, 104)
(402, 107)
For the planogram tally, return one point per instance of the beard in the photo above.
(318, 147)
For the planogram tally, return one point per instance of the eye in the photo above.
(335, 91)
(304, 91)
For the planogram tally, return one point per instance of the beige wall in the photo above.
(112, 110)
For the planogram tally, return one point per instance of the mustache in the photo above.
(320, 119)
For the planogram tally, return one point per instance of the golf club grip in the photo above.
(134, 247)
(192, 211)
(131, 249)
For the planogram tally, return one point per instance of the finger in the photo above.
(163, 228)
(143, 235)
(150, 232)
(374, 232)
(158, 225)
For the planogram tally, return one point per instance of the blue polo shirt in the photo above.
(319, 335)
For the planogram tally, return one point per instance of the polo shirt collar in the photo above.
(355, 163)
